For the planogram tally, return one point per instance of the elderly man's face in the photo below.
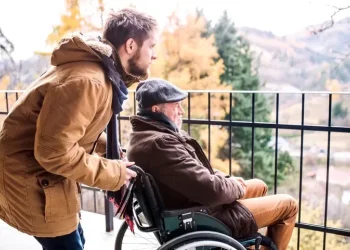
(173, 111)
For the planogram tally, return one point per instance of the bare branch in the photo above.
(330, 23)
(6, 46)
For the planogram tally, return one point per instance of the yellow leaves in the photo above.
(332, 85)
(70, 22)
(223, 165)
(184, 48)
(189, 60)
(4, 82)
(101, 6)
(73, 21)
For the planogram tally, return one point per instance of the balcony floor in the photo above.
(94, 231)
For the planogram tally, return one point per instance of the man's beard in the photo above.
(133, 67)
(179, 124)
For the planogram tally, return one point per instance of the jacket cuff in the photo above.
(122, 171)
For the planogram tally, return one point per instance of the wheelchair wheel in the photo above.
(126, 240)
(203, 240)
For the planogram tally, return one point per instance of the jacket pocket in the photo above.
(61, 197)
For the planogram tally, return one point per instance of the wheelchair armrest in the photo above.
(170, 213)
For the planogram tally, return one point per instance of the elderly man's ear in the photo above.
(155, 108)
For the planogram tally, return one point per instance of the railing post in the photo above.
(301, 163)
(112, 153)
(328, 162)
(230, 137)
(276, 142)
(253, 136)
(209, 135)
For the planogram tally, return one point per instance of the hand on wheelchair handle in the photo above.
(129, 173)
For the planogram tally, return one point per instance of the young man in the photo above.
(48, 139)
(184, 175)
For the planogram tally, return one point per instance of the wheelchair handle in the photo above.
(137, 169)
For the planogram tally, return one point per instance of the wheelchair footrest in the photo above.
(257, 240)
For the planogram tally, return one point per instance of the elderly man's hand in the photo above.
(242, 184)
(242, 181)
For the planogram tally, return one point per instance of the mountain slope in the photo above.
(301, 61)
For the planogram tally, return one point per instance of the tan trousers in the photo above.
(277, 212)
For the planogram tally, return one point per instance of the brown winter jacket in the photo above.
(184, 175)
(47, 138)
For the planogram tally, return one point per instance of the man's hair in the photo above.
(128, 23)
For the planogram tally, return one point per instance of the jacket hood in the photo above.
(79, 48)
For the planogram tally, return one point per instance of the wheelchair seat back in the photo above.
(148, 201)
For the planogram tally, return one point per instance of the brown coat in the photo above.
(47, 138)
(184, 175)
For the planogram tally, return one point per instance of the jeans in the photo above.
(72, 241)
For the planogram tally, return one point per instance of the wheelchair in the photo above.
(185, 229)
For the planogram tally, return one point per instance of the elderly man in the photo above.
(185, 177)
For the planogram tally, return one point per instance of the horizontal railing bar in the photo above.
(11, 91)
(331, 230)
(268, 92)
(235, 91)
(319, 128)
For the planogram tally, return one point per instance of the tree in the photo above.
(239, 73)
(339, 111)
(190, 61)
(329, 24)
(333, 85)
(74, 21)
(6, 46)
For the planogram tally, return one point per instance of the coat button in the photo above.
(44, 183)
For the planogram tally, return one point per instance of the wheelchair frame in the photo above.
(171, 226)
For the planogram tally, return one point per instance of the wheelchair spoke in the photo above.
(139, 241)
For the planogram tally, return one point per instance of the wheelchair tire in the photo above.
(120, 236)
(120, 245)
(195, 239)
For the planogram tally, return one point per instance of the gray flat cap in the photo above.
(156, 91)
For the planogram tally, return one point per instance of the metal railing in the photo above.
(253, 125)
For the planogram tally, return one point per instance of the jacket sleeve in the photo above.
(218, 172)
(178, 170)
(66, 113)
(101, 145)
